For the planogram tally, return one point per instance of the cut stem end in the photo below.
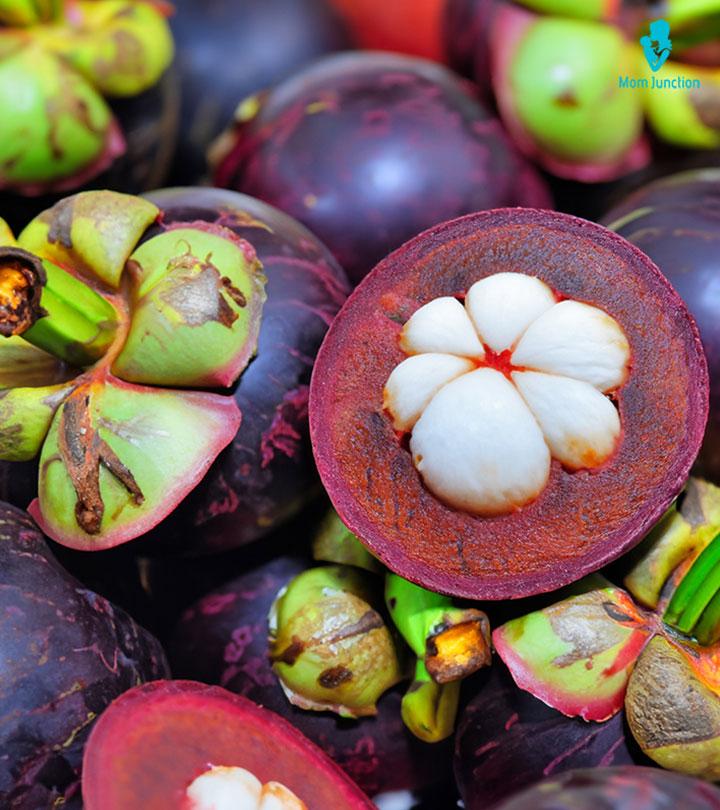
(22, 278)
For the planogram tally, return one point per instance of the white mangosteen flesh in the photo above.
(493, 390)
(232, 788)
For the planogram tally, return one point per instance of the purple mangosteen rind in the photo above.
(430, 543)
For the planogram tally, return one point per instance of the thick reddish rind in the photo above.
(507, 740)
(153, 741)
(65, 654)
(223, 639)
(623, 788)
(582, 520)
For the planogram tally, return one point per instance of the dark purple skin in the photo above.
(625, 788)
(370, 149)
(466, 27)
(228, 49)
(507, 739)
(676, 221)
(223, 639)
(65, 654)
(267, 474)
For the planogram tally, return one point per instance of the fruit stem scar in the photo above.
(22, 279)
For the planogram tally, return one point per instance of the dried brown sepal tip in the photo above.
(22, 278)
(457, 649)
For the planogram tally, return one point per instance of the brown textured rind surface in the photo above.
(582, 520)
(65, 654)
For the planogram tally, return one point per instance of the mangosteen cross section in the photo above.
(493, 390)
(233, 788)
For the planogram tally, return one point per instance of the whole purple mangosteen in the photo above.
(65, 655)
(370, 149)
(676, 222)
(223, 639)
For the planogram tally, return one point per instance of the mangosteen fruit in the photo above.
(491, 414)
(197, 747)
(508, 740)
(228, 49)
(64, 65)
(65, 654)
(676, 222)
(267, 473)
(622, 788)
(224, 639)
(369, 149)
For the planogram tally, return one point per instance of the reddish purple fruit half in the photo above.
(467, 485)
(369, 149)
(223, 639)
(267, 473)
(625, 788)
(65, 654)
(155, 740)
(508, 740)
(676, 221)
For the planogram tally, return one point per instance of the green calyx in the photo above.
(429, 709)
(335, 543)
(57, 62)
(330, 648)
(696, 596)
(87, 313)
(451, 642)
(563, 81)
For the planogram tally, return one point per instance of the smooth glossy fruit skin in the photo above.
(507, 740)
(663, 406)
(405, 26)
(624, 788)
(227, 49)
(157, 738)
(676, 221)
(149, 123)
(267, 474)
(370, 149)
(223, 639)
(65, 654)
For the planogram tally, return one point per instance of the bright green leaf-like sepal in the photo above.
(53, 124)
(577, 655)
(93, 232)
(198, 301)
(119, 458)
(122, 47)
(335, 543)
(29, 12)
(25, 416)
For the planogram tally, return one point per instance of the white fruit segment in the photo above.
(415, 382)
(478, 447)
(580, 424)
(231, 788)
(576, 340)
(483, 432)
(443, 326)
(504, 305)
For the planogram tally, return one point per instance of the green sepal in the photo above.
(25, 417)
(335, 543)
(29, 12)
(53, 124)
(429, 709)
(453, 642)
(587, 10)
(121, 47)
(696, 590)
(683, 533)
(197, 306)
(577, 655)
(7, 238)
(119, 458)
(684, 117)
(330, 649)
(23, 365)
(93, 232)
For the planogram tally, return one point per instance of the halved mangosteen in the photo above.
(185, 745)
(508, 402)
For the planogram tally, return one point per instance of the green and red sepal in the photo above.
(119, 458)
(577, 655)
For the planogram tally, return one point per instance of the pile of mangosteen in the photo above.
(359, 405)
